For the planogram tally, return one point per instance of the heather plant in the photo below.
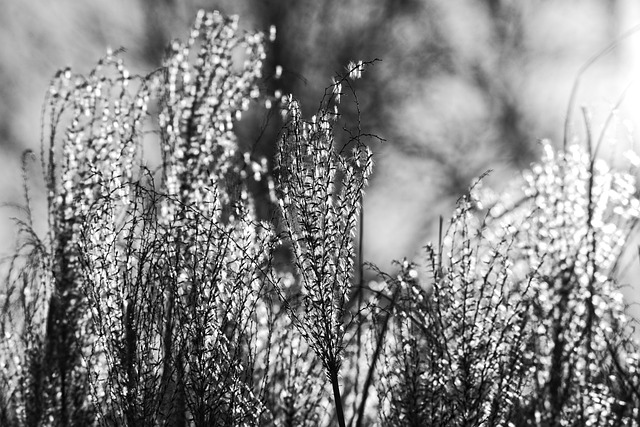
(574, 224)
(147, 292)
(457, 352)
(157, 295)
(523, 322)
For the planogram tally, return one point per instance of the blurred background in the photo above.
(463, 86)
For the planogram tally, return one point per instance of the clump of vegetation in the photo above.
(523, 323)
(155, 297)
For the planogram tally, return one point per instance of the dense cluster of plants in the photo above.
(155, 297)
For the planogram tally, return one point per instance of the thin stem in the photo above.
(360, 302)
(374, 360)
(581, 71)
(333, 376)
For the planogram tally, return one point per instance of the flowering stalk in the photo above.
(320, 191)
